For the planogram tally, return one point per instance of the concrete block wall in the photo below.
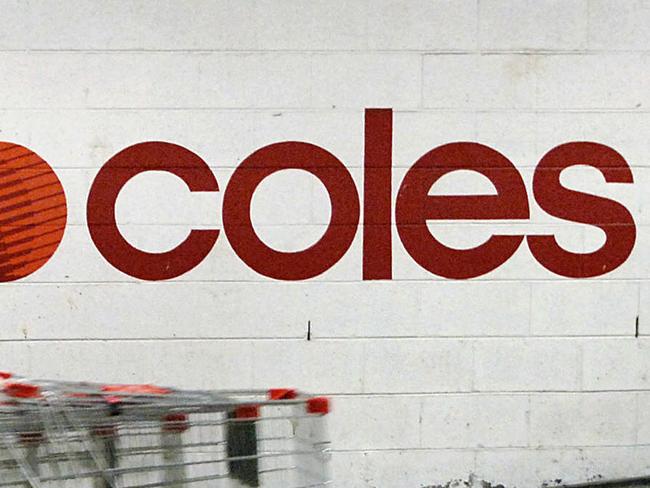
(518, 376)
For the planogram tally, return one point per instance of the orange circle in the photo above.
(33, 212)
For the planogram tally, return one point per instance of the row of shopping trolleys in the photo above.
(90, 435)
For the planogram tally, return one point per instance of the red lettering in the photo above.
(610, 216)
(414, 207)
(33, 209)
(237, 212)
(147, 156)
(377, 209)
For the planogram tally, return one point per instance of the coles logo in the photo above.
(33, 209)
(32, 212)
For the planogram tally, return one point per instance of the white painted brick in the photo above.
(422, 25)
(378, 422)
(619, 25)
(168, 25)
(640, 258)
(240, 75)
(298, 197)
(519, 468)
(222, 138)
(310, 24)
(27, 80)
(15, 357)
(468, 309)
(366, 80)
(641, 455)
(417, 132)
(474, 421)
(197, 364)
(583, 419)
(479, 81)
(616, 364)
(417, 366)
(644, 302)
(643, 411)
(642, 214)
(554, 128)
(393, 309)
(584, 308)
(399, 468)
(318, 366)
(154, 80)
(366, 309)
(527, 365)
(14, 35)
(619, 130)
(289, 197)
(267, 79)
(533, 24)
(84, 361)
(513, 134)
(268, 25)
(339, 132)
(222, 24)
(168, 201)
(588, 82)
(349, 467)
(153, 310)
(510, 81)
(189, 364)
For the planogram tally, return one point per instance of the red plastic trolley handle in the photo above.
(315, 405)
(247, 412)
(318, 406)
(175, 422)
(282, 394)
(136, 389)
(132, 390)
(21, 390)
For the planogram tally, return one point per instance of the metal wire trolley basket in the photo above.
(86, 435)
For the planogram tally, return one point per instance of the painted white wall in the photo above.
(519, 376)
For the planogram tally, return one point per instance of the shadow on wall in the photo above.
(640, 482)
(473, 482)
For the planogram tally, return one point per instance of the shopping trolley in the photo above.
(88, 435)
